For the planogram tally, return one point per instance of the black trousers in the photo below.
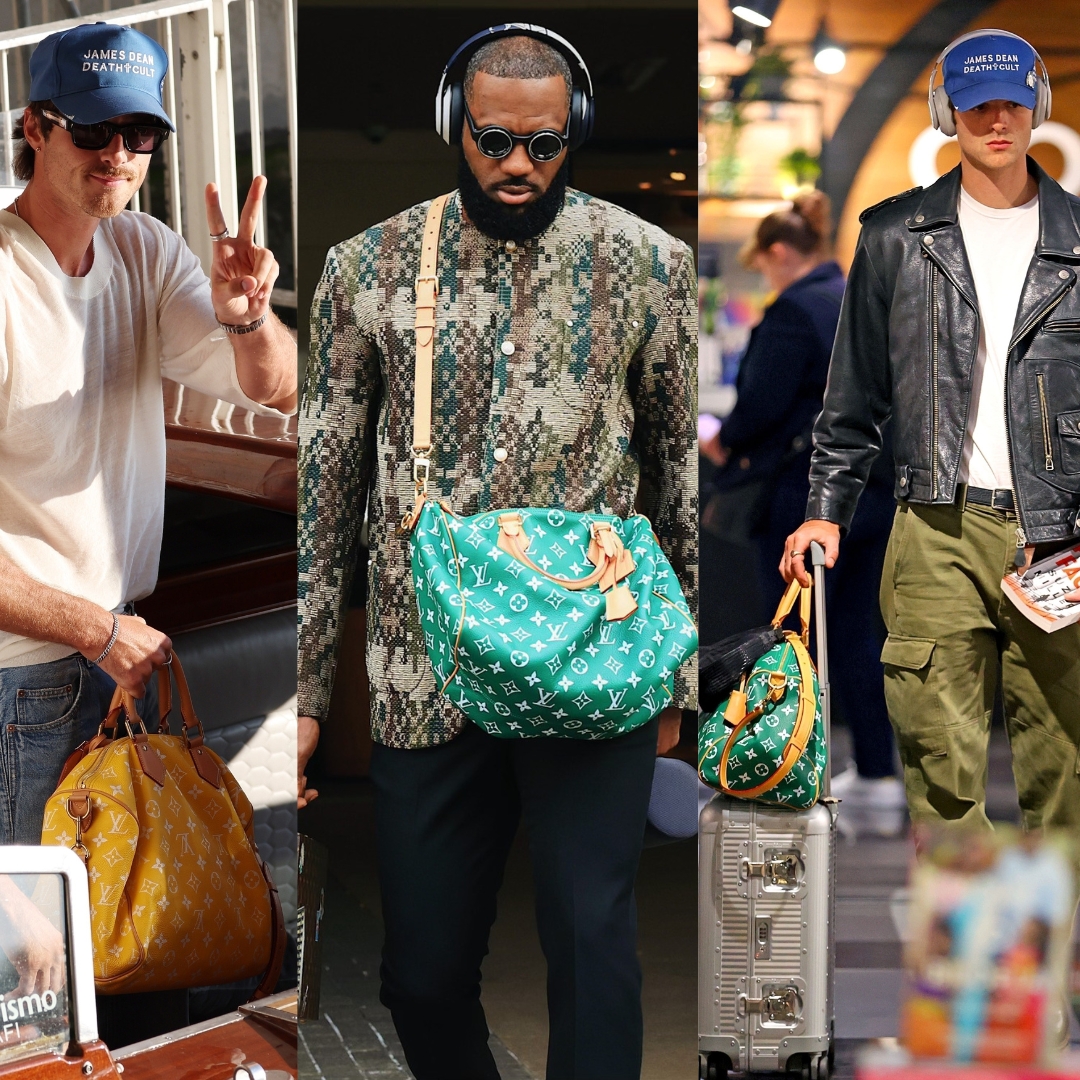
(445, 819)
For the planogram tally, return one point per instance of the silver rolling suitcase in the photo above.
(766, 923)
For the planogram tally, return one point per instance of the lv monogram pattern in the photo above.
(180, 901)
(525, 656)
(756, 756)
(596, 409)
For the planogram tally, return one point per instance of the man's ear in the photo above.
(32, 130)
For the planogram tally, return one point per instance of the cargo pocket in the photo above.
(911, 693)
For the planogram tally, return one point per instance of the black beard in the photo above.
(502, 222)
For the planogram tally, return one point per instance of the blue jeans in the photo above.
(46, 711)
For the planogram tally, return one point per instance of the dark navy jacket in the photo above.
(782, 378)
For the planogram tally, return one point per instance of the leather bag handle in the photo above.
(800, 735)
(607, 553)
(277, 936)
(787, 604)
(427, 292)
(122, 701)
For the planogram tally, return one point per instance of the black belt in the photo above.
(996, 498)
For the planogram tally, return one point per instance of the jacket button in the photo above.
(903, 481)
(500, 453)
(1076, 250)
(507, 348)
(920, 217)
(928, 240)
(1063, 274)
(511, 246)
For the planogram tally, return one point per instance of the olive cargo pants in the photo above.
(953, 635)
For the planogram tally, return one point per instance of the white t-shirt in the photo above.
(999, 245)
(82, 435)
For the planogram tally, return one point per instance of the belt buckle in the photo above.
(993, 500)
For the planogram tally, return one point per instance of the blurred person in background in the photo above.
(763, 449)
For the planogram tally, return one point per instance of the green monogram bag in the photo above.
(538, 621)
(767, 741)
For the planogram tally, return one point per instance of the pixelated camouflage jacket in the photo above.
(596, 407)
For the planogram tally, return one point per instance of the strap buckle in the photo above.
(993, 499)
(425, 279)
(420, 467)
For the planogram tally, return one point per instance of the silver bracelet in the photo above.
(232, 328)
(112, 638)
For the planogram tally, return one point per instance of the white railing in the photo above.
(198, 92)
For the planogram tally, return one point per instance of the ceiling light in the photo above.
(677, 176)
(751, 16)
(644, 185)
(829, 56)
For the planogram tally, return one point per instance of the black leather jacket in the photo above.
(906, 346)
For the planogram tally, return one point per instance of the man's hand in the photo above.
(797, 548)
(307, 738)
(137, 652)
(243, 274)
(667, 736)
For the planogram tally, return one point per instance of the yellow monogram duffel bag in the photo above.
(178, 894)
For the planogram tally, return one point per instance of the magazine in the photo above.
(1039, 590)
(985, 964)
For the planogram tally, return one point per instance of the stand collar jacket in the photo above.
(906, 347)
(565, 376)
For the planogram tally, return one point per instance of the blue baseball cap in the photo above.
(99, 70)
(990, 66)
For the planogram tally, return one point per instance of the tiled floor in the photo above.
(355, 1038)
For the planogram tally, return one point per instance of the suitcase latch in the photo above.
(781, 870)
(777, 1004)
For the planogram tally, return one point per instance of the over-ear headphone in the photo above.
(450, 98)
(941, 115)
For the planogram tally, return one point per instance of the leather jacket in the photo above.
(906, 346)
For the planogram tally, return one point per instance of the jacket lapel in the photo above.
(1059, 245)
(938, 215)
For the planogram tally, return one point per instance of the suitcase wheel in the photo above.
(714, 1067)
(803, 1066)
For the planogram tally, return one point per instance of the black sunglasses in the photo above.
(497, 142)
(138, 138)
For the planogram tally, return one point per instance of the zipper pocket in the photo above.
(1047, 448)
(1064, 326)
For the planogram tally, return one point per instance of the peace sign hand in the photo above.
(242, 275)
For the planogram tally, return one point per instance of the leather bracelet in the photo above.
(232, 328)
(112, 638)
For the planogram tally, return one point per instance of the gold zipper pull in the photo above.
(1021, 537)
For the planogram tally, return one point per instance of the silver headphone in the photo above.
(937, 99)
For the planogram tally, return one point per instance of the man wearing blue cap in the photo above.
(962, 322)
(96, 305)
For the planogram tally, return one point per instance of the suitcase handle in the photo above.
(817, 558)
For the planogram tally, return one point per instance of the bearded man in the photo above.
(565, 376)
(96, 305)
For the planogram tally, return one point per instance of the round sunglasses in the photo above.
(496, 142)
(139, 138)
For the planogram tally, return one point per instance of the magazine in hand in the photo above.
(1039, 590)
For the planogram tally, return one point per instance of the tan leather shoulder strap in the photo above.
(427, 290)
